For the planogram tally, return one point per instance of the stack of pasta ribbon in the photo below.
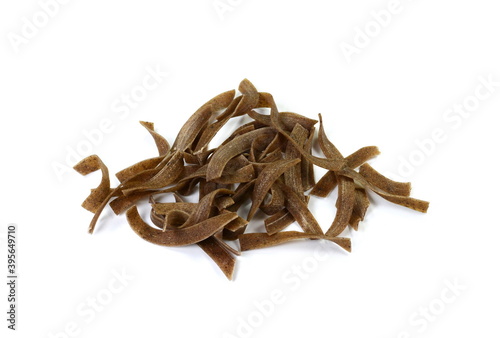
(267, 162)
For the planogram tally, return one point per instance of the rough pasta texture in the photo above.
(267, 162)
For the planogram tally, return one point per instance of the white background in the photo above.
(395, 91)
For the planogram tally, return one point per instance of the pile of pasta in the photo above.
(265, 166)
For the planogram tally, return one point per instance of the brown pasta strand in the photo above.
(261, 240)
